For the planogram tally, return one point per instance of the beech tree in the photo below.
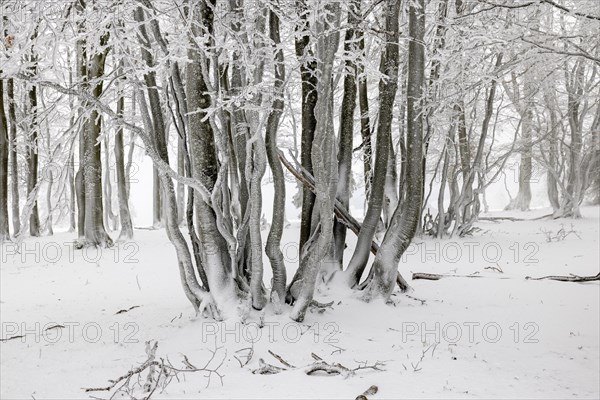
(426, 115)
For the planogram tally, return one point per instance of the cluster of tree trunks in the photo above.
(225, 99)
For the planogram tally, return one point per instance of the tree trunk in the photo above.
(180, 186)
(95, 232)
(157, 207)
(323, 159)
(13, 161)
(406, 217)
(346, 131)
(124, 214)
(308, 75)
(272, 247)
(4, 143)
(110, 218)
(32, 160)
(214, 249)
(388, 86)
(551, 183)
(365, 124)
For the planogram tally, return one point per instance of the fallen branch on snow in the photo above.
(166, 373)
(571, 278)
(319, 365)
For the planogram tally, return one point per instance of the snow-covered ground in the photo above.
(499, 335)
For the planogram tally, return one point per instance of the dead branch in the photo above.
(341, 213)
(247, 357)
(12, 338)
(266, 369)
(126, 310)
(281, 360)
(166, 373)
(330, 369)
(319, 365)
(570, 278)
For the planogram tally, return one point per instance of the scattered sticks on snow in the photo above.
(159, 374)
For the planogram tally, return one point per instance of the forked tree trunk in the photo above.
(388, 86)
(406, 217)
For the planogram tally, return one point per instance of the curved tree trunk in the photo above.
(215, 255)
(406, 217)
(387, 92)
(323, 160)
(272, 247)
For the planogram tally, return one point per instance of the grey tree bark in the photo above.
(13, 161)
(346, 130)
(123, 195)
(323, 160)
(32, 158)
(214, 249)
(4, 228)
(388, 86)
(272, 246)
(95, 232)
(406, 217)
(308, 75)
